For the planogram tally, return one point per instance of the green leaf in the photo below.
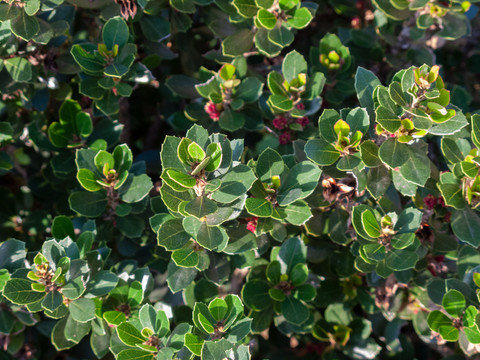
(259, 207)
(275, 83)
(305, 292)
(452, 195)
(321, 152)
(298, 213)
(211, 237)
(299, 182)
(88, 204)
(338, 313)
(114, 317)
(172, 198)
(195, 152)
(408, 221)
(255, 294)
(399, 260)
(264, 45)
(293, 65)
(115, 32)
(8, 11)
(179, 278)
(89, 86)
(155, 28)
(387, 119)
(62, 227)
(280, 103)
(88, 180)
(181, 179)
(451, 126)
(194, 344)
(370, 224)
(135, 293)
(280, 36)
(246, 8)
(200, 207)
(299, 274)
(123, 158)
(52, 301)
(269, 164)
(454, 25)
(396, 93)
(171, 235)
(239, 330)
(475, 120)
(138, 189)
(75, 331)
(218, 308)
(454, 303)
(448, 333)
(301, 17)
(108, 104)
(375, 252)
(24, 26)
(58, 338)
(202, 318)
(292, 252)
(472, 335)
(390, 10)
(102, 283)
(266, 19)
(214, 151)
(294, 311)
(129, 334)
(231, 120)
(357, 220)
(135, 354)
(82, 310)
(241, 240)
(365, 84)
(104, 159)
(417, 167)
(214, 350)
(369, 154)
(469, 317)
(238, 43)
(19, 291)
(12, 254)
(186, 256)
(235, 183)
(393, 153)
(89, 63)
(19, 69)
(184, 6)
(84, 125)
(466, 226)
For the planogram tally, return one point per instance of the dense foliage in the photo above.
(246, 179)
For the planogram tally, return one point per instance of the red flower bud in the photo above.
(285, 138)
(212, 110)
(280, 122)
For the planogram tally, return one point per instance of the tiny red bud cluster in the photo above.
(285, 138)
(252, 223)
(280, 122)
(431, 201)
(303, 121)
(212, 110)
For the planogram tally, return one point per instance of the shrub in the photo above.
(211, 179)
